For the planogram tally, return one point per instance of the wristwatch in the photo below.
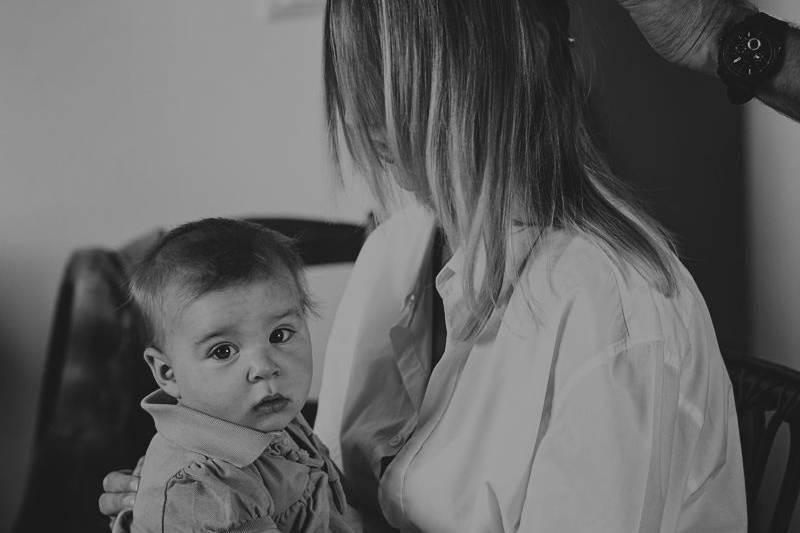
(750, 53)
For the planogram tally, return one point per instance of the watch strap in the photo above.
(739, 95)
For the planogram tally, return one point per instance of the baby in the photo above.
(225, 304)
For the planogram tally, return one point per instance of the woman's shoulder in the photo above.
(569, 259)
(394, 252)
(597, 311)
(571, 268)
(407, 224)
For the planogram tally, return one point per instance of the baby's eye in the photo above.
(281, 335)
(223, 352)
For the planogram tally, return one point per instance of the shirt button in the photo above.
(396, 441)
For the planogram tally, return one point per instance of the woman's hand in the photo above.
(120, 490)
(686, 32)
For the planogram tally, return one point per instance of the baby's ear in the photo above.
(162, 371)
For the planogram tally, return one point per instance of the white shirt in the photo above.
(590, 402)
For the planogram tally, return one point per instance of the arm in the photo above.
(687, 33)
(623, 453)
(207, 498)
(783, 92)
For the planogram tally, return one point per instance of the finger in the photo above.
(121, 481)
(111, 504)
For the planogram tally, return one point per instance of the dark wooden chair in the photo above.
(767, 397)
(89, 420)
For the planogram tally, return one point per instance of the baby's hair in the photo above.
(207, 255)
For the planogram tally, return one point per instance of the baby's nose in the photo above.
(263, 366)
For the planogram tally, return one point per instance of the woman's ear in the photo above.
(162, 371)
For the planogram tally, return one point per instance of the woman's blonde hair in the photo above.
(475, 105)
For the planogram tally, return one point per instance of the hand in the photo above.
(120, 490)
(686, 32)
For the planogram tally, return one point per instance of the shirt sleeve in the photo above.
(603, 460)
(216, 498)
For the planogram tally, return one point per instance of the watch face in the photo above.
(749, 53)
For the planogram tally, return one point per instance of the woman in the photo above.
(569, 379)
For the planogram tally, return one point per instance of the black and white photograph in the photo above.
(412, 266)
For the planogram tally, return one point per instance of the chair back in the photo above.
(767, 398)
(89, 421)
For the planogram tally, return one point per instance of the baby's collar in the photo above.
(205, 434)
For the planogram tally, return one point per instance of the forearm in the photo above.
(688, 33)
(782, 93)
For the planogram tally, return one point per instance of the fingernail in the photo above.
(134, 485)
(128, 501)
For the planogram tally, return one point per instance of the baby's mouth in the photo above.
(272, 403)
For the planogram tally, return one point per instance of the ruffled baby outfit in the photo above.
(206, 474)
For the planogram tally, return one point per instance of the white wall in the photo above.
(772, 143)
(773, 170)
(119, 116)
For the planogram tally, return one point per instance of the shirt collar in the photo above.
(205, 434)
(449, 281)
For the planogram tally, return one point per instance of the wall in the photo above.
(773, 169)
(672, 136)
(118, 116)
(773, 184)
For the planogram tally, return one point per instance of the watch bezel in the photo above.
(742, 87)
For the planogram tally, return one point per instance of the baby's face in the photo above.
(243, 354)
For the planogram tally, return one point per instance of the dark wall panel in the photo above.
(672, 135)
